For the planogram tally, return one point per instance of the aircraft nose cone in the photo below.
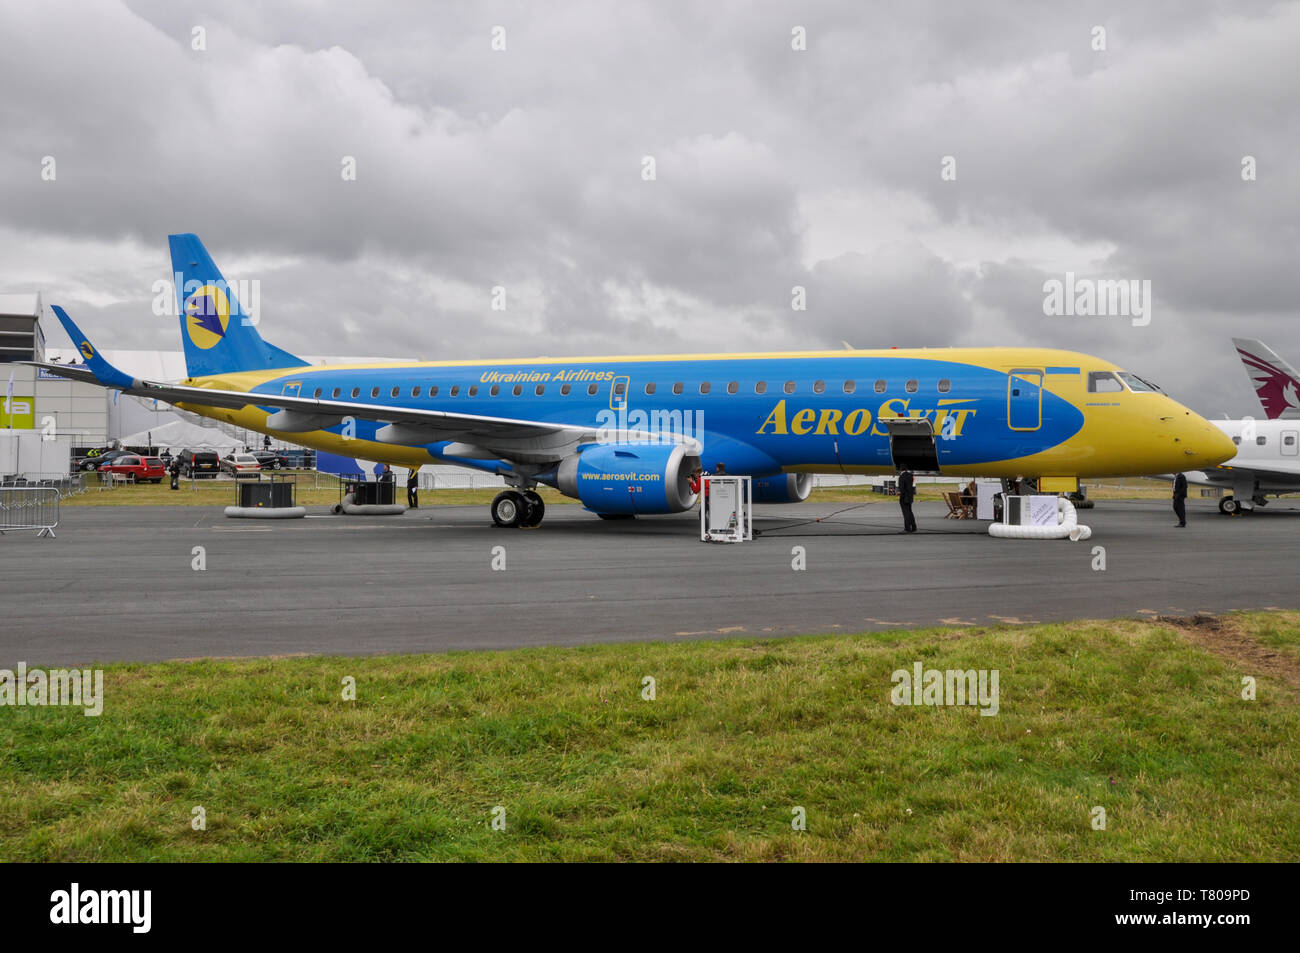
(1203, 444)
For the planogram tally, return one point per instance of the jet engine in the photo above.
(630, 479)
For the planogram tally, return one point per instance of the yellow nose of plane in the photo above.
(1202, 444)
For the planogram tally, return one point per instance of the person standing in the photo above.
(907, 493)
(1180, 499)
(413, 488)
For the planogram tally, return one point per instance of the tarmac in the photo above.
(124, 583)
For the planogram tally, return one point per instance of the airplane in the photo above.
(625, 435)
(1276, 383)
(1267, 463)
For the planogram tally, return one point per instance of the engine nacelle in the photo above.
(630, 478)
(783, 488)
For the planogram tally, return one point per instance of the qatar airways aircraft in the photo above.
(625, 434)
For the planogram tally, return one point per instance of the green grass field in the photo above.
(1143, 719)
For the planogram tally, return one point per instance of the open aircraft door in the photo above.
(911, 443)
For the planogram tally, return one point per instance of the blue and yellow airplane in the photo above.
(625, 435)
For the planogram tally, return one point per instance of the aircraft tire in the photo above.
(536, 508)
(509, 509)
(1228, 505)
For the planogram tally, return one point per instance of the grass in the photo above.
(1141, 718)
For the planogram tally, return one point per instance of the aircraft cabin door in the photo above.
(1290, 443)
(911, 443)
(618, 393)
(1025, 399)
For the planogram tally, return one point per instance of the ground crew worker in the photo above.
(1180, 499)
(906, 493)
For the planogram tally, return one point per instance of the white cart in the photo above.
(726, 509)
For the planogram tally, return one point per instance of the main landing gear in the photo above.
(1230, 505)
(517, 509)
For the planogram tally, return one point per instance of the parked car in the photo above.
(240, 465)
(92, 463)
(271, 459)
(199, 463)
(136, 468)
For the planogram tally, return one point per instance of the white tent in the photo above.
(182, 435)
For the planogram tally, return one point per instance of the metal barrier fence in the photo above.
(29, 508)
(65, 484)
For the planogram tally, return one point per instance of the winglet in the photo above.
(104, 372)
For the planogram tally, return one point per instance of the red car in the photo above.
(137, 469)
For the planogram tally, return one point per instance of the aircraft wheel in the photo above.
(536, 508)
(1228, 505)
(509, 509)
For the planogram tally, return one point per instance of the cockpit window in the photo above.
(1136, 384)
(1104, 382)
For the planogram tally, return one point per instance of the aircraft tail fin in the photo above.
(1276, 383)
(219, 335)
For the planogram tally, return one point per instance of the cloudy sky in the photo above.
(773, 167)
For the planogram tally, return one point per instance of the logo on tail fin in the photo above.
(207, 315)
(86, 350)
(1275, 388)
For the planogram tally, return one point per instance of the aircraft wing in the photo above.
(473, 436)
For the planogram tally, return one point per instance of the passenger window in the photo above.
(592, 388)
(911, 387)
(850, 386)
(1261, 441)
(704, 387)
(540, 389)
(335, 393)
(455, 390)
(789, 387)
(620, 388)
(374, 392)
(1103, 382)
(494, 390)
(945, 385)
(316, 392)
(517, 389)
(473, 390)
(650, 387)
(879, 387)
(819, 387)
(760, 387)
(415, 391)
(1289, 440)
(433, 390)
(356, 392)
(396, 391)
(677, 388)
(733, 387)
(565, 388)
(1237, 441)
